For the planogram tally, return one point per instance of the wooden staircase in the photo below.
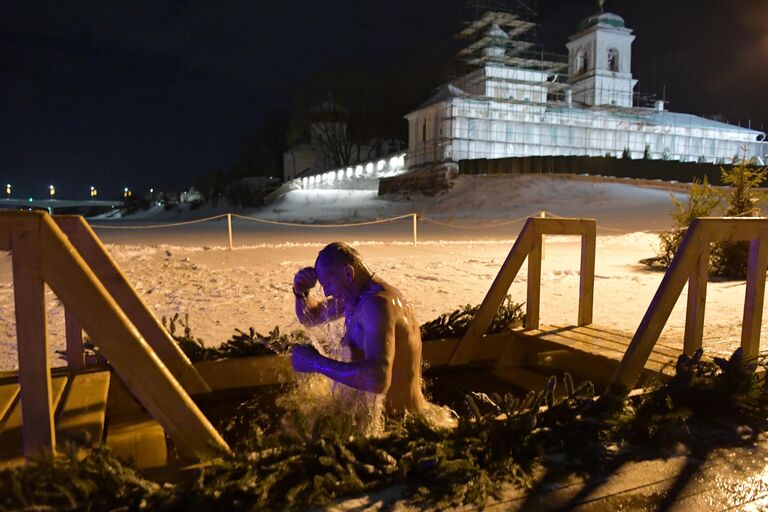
(91, 408)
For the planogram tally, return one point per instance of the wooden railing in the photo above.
(529, 245)
(691, 264)
(98, 299)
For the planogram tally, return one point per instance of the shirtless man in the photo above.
(381, 330)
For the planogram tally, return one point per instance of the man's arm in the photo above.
(311, 312)
(374, 372)
(308, 310)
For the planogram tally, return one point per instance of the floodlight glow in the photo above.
(311, 180)
(380, 165)
(392, 163)
(358, 171)
(340, 174)
(369, 168)
(349, 172)
(304, 181)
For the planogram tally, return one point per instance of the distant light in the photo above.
(151, 191)
(340, 174)
(358, 171)
(380, 165)
(51, 190)
(369, 168)
(349, 172)
(30, 199)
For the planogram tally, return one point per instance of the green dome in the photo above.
(602, 18)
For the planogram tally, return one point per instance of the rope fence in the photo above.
(416, 217)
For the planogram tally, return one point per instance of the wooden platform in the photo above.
(593, 351)
(81, 403)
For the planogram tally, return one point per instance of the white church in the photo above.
(518, 103)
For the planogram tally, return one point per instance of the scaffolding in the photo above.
(516, 101)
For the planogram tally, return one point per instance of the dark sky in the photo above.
(155, 93)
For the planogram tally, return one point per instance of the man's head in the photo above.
(340, 269)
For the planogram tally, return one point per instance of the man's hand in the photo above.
(304, 280)
(304, 358)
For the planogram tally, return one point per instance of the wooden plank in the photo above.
(11, 436)
(111, 276)
(11, 221)
(587, 274)
(84, 408)
(129, 354)
(755, 295)
(496, 294)
(732, 229)
(697, 301)
(562, 226)
(8, 394)
(533, 295)
(663, 345)
(138, 438)
(32, 342)
(660, 308)
(74, 337)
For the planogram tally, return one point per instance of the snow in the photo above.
(187, 269)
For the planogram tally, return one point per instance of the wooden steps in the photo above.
(81, 404)
(594, 350)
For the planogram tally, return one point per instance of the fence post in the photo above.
(543, 215)
(229, 229)
(74, 336)
(415, 232)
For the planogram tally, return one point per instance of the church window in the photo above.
(582, 61)
(613, 59)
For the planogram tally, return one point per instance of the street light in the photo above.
(127, 193)
(8, 190)
(93, 192)
(51, 191)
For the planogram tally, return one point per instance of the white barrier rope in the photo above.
(478, 226)
(159, 226)
(347, 225)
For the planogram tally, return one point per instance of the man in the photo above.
(381, 330)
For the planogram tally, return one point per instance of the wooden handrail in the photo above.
(529, 245)
(41, 254)
(690, 264)
(108, 271)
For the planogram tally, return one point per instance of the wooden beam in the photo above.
(84, 408)
(32, 342)
(661, 306)
(74, 335)
(755, 295)
(111, 276)
(496, 294)
(733, 229)
(587, 273)
(697, 299)
(11, 221)
(533, 295)
(131, 357)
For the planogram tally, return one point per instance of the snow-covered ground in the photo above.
(187, 269)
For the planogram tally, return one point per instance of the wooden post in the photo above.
(496, 294)
(587, 274)
(658, 312)
(755, 295)
(415, 238)
(74, 333)
(543, 215)
(697, 300)
(139, 367)
(34, 376)
(108, 272)
(229, 229)
(533, 296)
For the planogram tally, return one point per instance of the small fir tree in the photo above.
(702, 201)
(730, 258)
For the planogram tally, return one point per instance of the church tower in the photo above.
(599, 61)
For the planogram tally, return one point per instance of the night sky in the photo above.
(156, 93)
